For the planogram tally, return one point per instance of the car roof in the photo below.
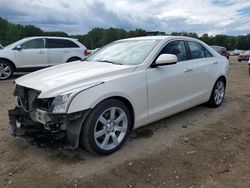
(49, 37)
(162, 37)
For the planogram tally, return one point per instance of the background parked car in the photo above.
(1, 47)
(244, 56)
(238, 52)
(39, 52)
(249, 66)
(221, 50)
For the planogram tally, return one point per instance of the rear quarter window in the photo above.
(198, 51)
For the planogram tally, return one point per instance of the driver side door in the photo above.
(169, 88)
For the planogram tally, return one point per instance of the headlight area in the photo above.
(60, 103)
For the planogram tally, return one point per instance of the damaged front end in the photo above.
(32, 113)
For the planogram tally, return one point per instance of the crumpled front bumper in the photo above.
(21, 122)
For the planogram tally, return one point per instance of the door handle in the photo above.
(188, 70)
(215, 63)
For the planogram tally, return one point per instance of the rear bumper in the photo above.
(21, 123)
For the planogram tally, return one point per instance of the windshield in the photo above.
(130, 52)
(12, 45)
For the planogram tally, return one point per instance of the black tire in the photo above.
(212, 100)
(239, 60)
(5, 64)
(73, 59)
(87, 138)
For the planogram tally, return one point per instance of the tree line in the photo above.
(99, 37)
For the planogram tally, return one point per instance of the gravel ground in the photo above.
(200, 147)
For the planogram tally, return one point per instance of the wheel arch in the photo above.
(94, 103)
(73, 57)
(126, 102)
(8, 61)
(129, 105)
(223, 77)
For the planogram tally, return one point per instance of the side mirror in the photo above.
(165, 59)
(18, 47)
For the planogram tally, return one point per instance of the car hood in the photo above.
(61, 79)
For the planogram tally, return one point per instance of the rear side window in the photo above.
(177, 48)
(61, 43)
(197, 51)
(33, 44)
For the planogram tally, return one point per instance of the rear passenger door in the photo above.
(201, 65)
(59, 50)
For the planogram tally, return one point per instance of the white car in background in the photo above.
(38, 52)
(124, 85)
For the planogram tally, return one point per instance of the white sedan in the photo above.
(125, 85)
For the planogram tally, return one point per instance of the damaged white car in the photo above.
(127, 84)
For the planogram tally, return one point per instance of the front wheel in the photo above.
(218, 93)
(106, 128)
(6, 70)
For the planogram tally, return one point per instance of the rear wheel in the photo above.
(218, 93)
(6, 70)
(106, 128)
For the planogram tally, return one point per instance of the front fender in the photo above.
(89, 98)
(125, 87)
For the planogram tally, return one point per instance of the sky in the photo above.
(231, 17)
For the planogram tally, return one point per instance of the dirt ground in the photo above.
(201, 147)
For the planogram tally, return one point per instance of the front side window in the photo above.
(177, 48)
(128, 52)
(61, 43)
(33, 44)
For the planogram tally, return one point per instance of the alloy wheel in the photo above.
(111, 128)
(5, 71)
(219, 92)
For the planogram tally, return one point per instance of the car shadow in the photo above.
(57, 145)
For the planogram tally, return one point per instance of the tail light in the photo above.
(86, 52)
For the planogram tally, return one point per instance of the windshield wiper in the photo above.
(107, 61)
